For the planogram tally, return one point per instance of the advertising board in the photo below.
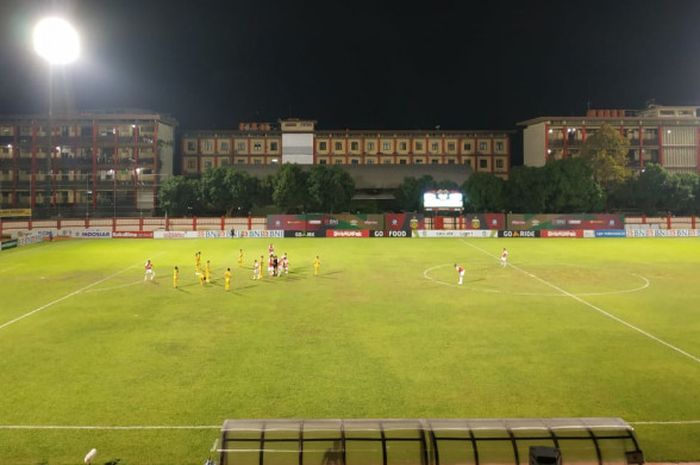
(518, 234)
(610, 233)
(561, 221)
(635, 232)
(347, 233)
(258, 233)
(472, 233)
(132, 234)
(561, 233)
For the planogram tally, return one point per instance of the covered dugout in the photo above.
(552, 441)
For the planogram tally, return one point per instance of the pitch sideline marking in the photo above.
(204, 427)
(119, 286)
(594, 307)
(67, 296)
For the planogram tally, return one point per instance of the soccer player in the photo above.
(270, 265)
(271, 249)
(460, 272)
(256, 269)
(207, 272)
(285, 263)
(202, 278)
(150, 274)
(227, 279)
(504, 257)
(240, 258)
(198, 262)
(260, 271)
(275, 266)
(176, 277)
(317, 265)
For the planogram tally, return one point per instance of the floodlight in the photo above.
(56, 41)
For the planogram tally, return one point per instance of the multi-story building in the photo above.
(669, 136)
(298, 141)
(86, 163)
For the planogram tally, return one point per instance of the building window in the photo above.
(273, 146)
(257, 161)
(323, 145)
(207, 164)
(451, 161)
(257, 147)
(435, 161)
(354, 146)
(208, 146)
(224, 146)
(499, 146)
(387, 161)
(191, 146)
(468, 162)
(434, 147)
(402, 161)
(240, 161)
(224, 162)
(355, 161)
(338, 146)
(403, 146)
(418, 161)
(338, 162)
(191, 165)
(369, 162)
(240, 147)
(370, 146)
(451, 146)
(322, 162)
(482, 147)
(499, 163)
(482, 164)
(419, 145)
(386, 146)
(467, 147)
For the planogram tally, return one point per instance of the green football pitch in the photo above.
(93, 356)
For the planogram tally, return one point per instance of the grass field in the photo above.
(384, 331)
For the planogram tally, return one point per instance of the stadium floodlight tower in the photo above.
(57, 42)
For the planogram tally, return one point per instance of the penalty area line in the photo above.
(594, 307)
(67, 296)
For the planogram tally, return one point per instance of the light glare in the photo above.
(56, 41)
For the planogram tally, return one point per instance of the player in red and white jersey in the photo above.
(460, 272)
(150, 274)
(504, 257)
(271, 250)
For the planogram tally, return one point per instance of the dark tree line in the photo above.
(229, 191)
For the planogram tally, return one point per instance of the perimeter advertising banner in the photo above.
(561, 221)
(404, 221)
(320, 222)
(485, 221)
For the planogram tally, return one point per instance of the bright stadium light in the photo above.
(56, 41)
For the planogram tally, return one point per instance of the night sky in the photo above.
(357, 64)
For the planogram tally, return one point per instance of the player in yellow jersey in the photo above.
(317, 265)
(176, 277)
(202, 278)
(240, 258)
(207, 272)
(260, 271)
(198, 262)
(227, 279)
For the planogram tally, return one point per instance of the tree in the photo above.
(290, 192)
(606, 152)
(179, 196)
(570, 187)
(330, 189)
(409, 193)
(243, 189)
(485, 193)
(526, 190)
